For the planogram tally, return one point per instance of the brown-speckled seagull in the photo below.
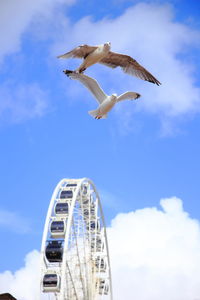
(102, 54)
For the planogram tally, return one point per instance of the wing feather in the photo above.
(79, 52)
(128, 65)
(128, 95)
(91, 84)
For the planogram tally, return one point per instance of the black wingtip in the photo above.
(154, 81)
(158, 83)
(138, 96)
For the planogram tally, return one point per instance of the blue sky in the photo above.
(144, 151)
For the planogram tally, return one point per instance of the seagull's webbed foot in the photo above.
(80, 71)
(67, 72)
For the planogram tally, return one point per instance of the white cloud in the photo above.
(24, 283)
(12, 221)
(155, 254)
(16, 16)
(150, 34)
(21, 102)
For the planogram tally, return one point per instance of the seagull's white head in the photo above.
(107, 46)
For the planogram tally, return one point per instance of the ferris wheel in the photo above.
(75, 261)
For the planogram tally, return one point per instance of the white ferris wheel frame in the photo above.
(62, 270)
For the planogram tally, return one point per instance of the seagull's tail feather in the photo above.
(93, 113)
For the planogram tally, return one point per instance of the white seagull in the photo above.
(106, 102)
(102, 54)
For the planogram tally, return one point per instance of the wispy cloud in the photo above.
(150, 34)
(21, 102)
(13, 25)
(14, 222)
(108, 200)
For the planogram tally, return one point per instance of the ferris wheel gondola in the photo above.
(75, 262)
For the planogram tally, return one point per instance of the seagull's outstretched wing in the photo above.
(128, 95)
(128, 65)
(91, 84)
(79, 52)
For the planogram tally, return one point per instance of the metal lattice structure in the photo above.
(74, 253)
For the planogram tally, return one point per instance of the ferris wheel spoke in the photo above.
(72, 281)
(79, 260)
(86, 262)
